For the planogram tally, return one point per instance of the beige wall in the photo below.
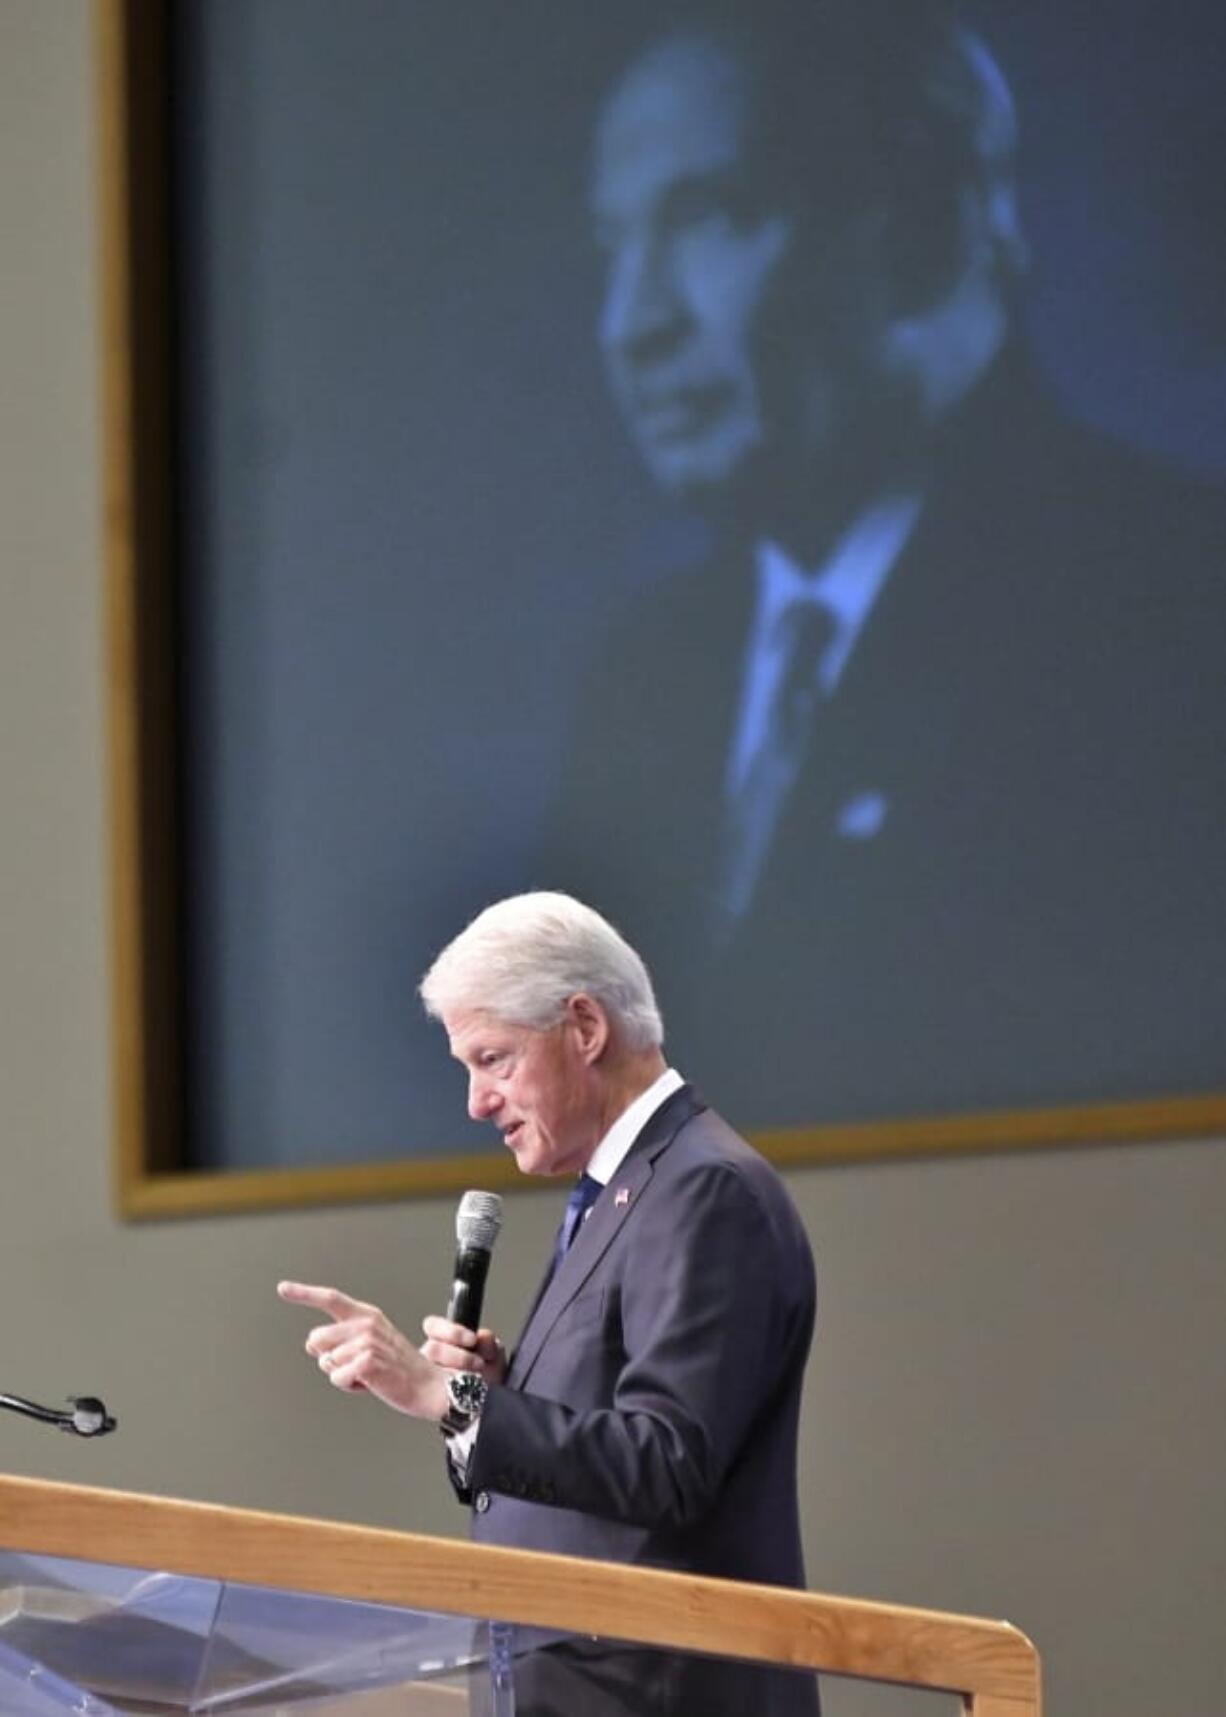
(1017, 1399)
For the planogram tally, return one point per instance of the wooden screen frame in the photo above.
(131, 41)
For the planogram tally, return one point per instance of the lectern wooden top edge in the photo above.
(991, 1664)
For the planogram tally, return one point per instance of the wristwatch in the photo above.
(466, 1393)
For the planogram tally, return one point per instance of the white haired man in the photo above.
(648, 1412)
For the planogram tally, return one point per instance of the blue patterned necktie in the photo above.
(583, 1196)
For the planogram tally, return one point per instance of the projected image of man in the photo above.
(840, 734)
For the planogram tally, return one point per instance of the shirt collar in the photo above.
(609, 1153)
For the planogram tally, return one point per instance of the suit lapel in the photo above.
(615, 1206)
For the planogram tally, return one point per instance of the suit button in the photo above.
(481, 1501)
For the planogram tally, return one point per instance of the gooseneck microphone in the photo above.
(87, 1416)
(477, 1221)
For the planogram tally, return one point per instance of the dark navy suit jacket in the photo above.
(651, 1408)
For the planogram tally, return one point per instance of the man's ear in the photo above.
(590, 1024)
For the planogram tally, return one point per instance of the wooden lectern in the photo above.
(117, 1603)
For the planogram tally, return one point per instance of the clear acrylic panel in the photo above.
(99, 1639)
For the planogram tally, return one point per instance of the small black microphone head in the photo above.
(89, 1417)
(477, 1220)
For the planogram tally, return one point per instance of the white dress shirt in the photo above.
(606, 1159)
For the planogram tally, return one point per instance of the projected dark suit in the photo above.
(1044, 735)
(650, 1412)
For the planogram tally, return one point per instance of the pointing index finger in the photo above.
(329, 1300)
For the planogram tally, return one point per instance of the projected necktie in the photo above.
(801, 635)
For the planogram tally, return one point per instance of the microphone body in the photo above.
(468, 1288)
(477, 1222)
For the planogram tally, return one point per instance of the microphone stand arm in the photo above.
(86, 1415)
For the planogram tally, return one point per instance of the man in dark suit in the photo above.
(911, 782)
(649, 1411)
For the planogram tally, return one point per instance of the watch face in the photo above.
(467, 1392)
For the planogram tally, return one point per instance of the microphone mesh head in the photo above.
(478, 1219)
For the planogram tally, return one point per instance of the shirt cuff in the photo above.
(460, 1449)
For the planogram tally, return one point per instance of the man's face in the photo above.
(536, 1087)
(713, 372)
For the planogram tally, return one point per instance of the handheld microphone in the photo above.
(87, 1416)
(477, 1221)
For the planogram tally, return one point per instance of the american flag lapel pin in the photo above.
(621, 1198)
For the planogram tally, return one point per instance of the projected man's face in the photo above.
(717, 376)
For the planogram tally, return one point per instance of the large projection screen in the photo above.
(512, 357)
